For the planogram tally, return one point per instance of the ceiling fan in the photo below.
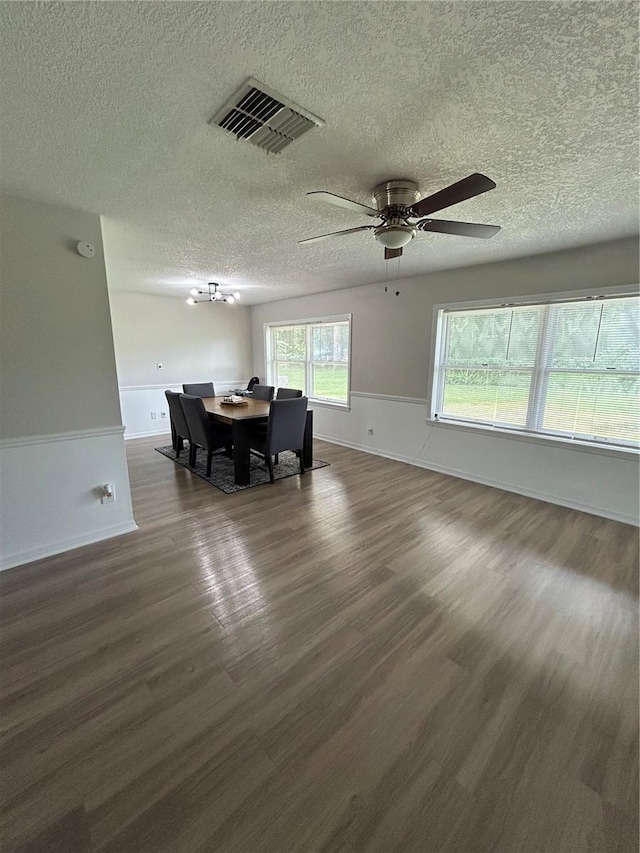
(403, 215)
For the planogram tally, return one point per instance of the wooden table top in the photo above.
(228, 414)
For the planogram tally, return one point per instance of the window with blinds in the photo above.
(313, 355)
(569, 369)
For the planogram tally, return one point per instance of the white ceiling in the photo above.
(105, 108)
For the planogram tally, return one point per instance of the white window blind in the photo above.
(570, 369)
(312, 355)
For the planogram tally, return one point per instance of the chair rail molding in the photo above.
(421, 401)
(23, 440)
(172, 386)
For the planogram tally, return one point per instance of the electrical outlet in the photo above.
(369, 430)
(163, 414)
(108, 494)
(154, 416)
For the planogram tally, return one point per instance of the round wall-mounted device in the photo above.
(86, 250)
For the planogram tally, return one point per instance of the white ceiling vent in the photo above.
(264, 117)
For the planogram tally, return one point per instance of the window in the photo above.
(312, 355)
(568, 369)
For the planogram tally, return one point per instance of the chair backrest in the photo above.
(263, 392)
(177, 414)
(288, 393)
(285, 429)
(199, 389)
(255, 380)
(197, 420)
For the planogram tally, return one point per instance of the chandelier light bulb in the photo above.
(231, 299)
(236, 296)
(194, 291)
(217, 296)
(191, 301)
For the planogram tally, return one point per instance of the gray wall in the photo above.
(57, 365)
(391, 336)
(61, 432)
(193, 343)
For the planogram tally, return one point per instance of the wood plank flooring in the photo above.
(369, 658)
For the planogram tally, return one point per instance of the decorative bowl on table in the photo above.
(234, 400)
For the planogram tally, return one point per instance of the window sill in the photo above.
(329, 404)
(532, 438)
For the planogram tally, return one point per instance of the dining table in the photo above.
(241, 418)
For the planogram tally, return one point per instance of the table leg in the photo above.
(241, 453)
(307, 448)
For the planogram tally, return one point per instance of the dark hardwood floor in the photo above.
(369, 658)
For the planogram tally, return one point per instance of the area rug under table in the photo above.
(222, 468)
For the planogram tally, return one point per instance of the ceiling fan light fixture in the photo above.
(395, 236)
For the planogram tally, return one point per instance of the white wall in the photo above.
(391, 352)
(60, 426)
(201, 343)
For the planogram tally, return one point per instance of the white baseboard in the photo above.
(131, 435)
(605, 512)
(53, 548)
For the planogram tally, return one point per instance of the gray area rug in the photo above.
(222, 468)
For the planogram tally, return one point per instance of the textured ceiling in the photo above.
(105, 108)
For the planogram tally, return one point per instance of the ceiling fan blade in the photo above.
(466, 188)
(389, 254)
(336, 234)
(463, 229)
(354, 206)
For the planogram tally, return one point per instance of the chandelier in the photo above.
(212, 294)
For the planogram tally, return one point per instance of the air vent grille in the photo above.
(264, 118)
(258, 104)
(240, 124)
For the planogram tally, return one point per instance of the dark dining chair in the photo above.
(285, 394)
(203, 432)
(179, 428)
(288, 393)
(199, 389)
(263, 392)
(285, 431)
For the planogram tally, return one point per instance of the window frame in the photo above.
(436, 372)
(309, 322)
